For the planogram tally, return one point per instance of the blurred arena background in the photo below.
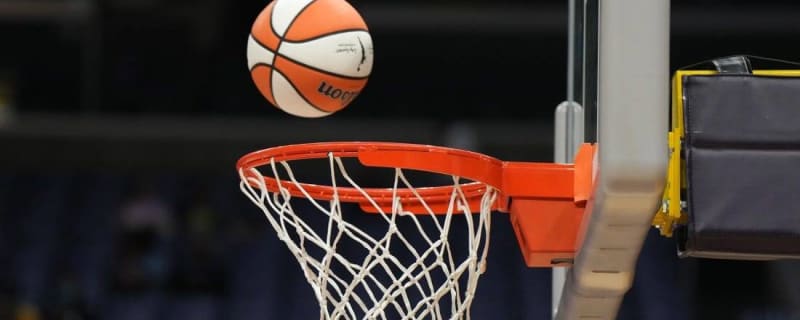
(121, 122)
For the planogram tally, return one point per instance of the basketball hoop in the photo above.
(420, 264)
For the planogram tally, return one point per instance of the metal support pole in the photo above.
(568, 130)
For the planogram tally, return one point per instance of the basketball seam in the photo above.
(272, 25)
(280, 41)
(294, 87)
(265, 47)
(327, 34)
(274, 56)
(272, 94)
(282, 38)
(330, 73)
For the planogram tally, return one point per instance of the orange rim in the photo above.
(512, 179)
(378, 154)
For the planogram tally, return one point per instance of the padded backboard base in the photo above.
(742, 148)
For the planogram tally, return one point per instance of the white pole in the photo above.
(571, 50)
(568, 136)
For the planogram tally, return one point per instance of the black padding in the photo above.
(742, 111)
(742, 141)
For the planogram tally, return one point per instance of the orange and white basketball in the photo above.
(310, 58)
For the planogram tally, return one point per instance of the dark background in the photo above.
(108, 105)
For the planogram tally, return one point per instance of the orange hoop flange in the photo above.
(554, 193)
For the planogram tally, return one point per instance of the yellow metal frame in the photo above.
(671, 212)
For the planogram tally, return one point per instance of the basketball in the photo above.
(310, 58)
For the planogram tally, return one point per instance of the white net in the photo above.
(394, 264)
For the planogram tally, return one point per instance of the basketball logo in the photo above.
(310, 58)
